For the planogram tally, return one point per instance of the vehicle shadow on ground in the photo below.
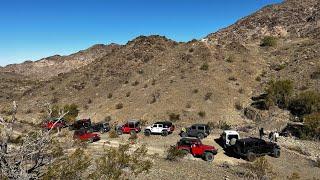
(227, 151)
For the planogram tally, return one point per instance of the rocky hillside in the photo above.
(155, 78)
(46, 68)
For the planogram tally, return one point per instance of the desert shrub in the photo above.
(241, 90)
(238, 105)
(72, 110)
(204, 67)
(230, 59)
(107, 119)
(113, 134)
(121, 163)
(312, 123)
(17, 140)
(262, 169)
(268, 41)
(224, 125)
(258, 78)
(208, 96)
(306, 103)
(294, 176)
(54, 100)
(174, 154)
(69, 167)
(153, 82)
(89, 101)
(188, 105)
(109, 95)
(212, 125)
(232, 78)
(279, 93)
(202, 114)
(135, 83)
(28, 111)
(119, 106)
(315, 74)
(128, 94)
(133, 136)
(174, 117)
(195, 91)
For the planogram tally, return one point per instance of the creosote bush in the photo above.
(71, 108)
(119, 106)
(174, 154)
(202, 114)
(204, 67)
(268, 41)
(305, 103)
(262, 169)
(279, 93)
(312, 123)
(174, 117)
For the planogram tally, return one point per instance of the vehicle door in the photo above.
(160, 128)
(126, 128)
(192, 131)
(196, 149)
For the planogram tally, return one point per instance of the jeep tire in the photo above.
(147, 133)
(276, 153)
(200, 136)
(164, 133)
(208, 156)
(119, 132)
(132, 132)
(251, 156)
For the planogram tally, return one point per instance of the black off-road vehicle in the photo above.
(100, 127)
(251, 148)
(197, 130)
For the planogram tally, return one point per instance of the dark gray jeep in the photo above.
(197, 130)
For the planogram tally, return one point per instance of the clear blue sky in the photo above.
(32, 29)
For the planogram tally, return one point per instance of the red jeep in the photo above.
(131, 127)
(50, 124)
(85, 135)
(196, 148)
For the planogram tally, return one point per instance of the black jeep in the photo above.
(250, 148)
(100, 127)
(197, 130)
(81, 124)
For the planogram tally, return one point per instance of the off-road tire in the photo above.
(147, 133)
(119, 132)
(132, 132)
(164, 133)
(208, 156)
(184, 134)
(251, 156)
(200, 136)
(276, 153)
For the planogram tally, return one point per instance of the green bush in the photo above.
(202, 114)
(279, 93)
(312, 123)
(204, 67)
(224, 125)
(72, 110)
(174, 117)
(306, 103)
(268, 41)
(174, 154)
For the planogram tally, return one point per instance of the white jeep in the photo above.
(163, 128)
(229, 138)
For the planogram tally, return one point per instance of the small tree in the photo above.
(173, 153)
(306, 103)
(312, 123)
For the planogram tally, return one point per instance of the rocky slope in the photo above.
(46, 68)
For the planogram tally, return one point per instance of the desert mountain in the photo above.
(46, 68)
(153, 77)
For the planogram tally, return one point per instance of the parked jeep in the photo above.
(164, 128)
(229, 138)
(250, 148)
(100, 127)
(81, 124)
(196, 148)
(85, 135)
(197, 130)
(131, 127)
(51, 123)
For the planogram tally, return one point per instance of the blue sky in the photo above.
(33, 29)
